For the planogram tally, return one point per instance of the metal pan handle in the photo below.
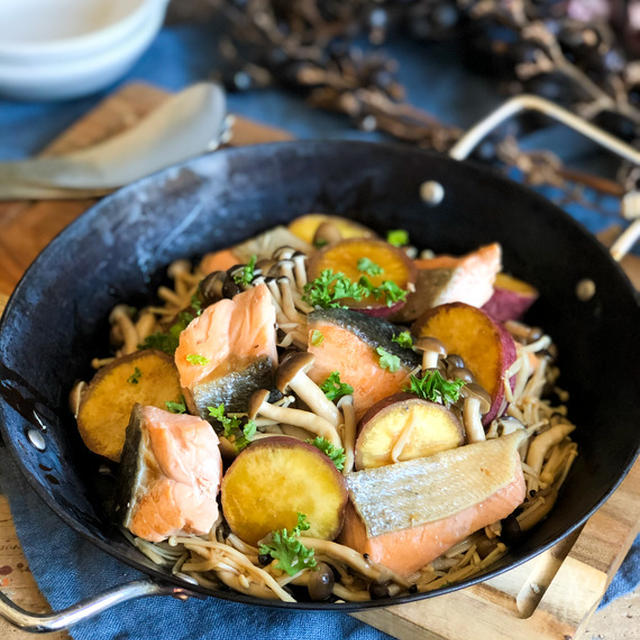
(525, 102)
(58, 620)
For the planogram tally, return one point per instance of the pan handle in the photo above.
(526, 102)
(58, 620)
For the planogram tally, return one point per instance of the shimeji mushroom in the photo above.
(326, 234)
(432, 350)
(476, 403)
(120, 316)
(180, 271)
(345, 404)
(542, 443)
(259, 406)
(292, 374)
(211, 287)
(288, 304)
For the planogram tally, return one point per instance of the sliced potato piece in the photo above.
(404, 427)
(146, 377)
(273, 480)
(305, 227)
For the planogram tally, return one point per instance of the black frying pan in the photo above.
(56, 319)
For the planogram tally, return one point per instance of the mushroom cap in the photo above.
(265, 264)
(257, 399)
(462, 373)
(475, 391)
(291, 365)
(348, 399)
(283, 253)
(118, 311)
(177, 267)
(326, 233)
(430, 344)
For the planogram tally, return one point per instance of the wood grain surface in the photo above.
(549, 597)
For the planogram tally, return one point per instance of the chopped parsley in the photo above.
(232, 429)
(389, 289)
(366, 265)
(329, 287)
(316, 338)
(197, 359)
(397, 237)
(245, 276)
(432, 386)
(404, 339)
(320, 242)
(176, 407)
(286, 548)
(335, 453)
(196, 304)
(334, 389)
(134, 378)
(388, 360)
(168, 342)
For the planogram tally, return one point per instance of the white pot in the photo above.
(57, 49)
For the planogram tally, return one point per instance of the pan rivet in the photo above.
(36, 439)
(585, 289)
(431, 192)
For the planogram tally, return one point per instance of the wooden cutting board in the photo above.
(552, 596)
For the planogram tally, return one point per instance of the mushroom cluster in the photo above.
(284, 274)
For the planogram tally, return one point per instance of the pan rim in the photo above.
(483, 173)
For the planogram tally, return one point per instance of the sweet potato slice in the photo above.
(376, 260)
(146, 377)
(486, 348)
(511, 298)
(306, 226)
(273, 480)
(404, 427)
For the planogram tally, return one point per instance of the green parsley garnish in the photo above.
(432, 386)
(397, 237)
(335, 453)
(245, 276)
(176, 407)
(368, 266)
(320, 242)
(329, 287)
(388, 360)
(316, 338)
(334, 389)
(404, 339)
(134, 378)
(291, 554)
(389, 289)
(196, 304)
(232, 429)
(168, 342)
(197, 359)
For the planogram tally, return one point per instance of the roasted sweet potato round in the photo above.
(404, 427)
(145, 377)
(486, 348)
(377, 261)
(273, 480)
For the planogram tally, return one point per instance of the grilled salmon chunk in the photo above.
(169, 475)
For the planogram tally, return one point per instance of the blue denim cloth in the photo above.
(66, 567)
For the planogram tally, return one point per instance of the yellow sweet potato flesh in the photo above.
(306, 226)
(106, 405)
(421, 427)
(273, 480)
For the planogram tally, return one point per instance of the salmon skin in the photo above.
(169, 475)
(407, 514)
(349, 344)
(228, 352)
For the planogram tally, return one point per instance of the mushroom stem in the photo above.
(288, 305)
(120, 316)
(305, 419)
(145, 325)
(430, 360)
(178, 271)
(299, 265)
(348, 432)
(170, 296)
(542, 443)
(473, 420)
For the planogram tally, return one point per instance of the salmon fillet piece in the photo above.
(414, 517)
(229, 351)
(445, 279)
(349, 346)
(170, 474)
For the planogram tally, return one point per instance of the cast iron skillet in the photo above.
(56, 319)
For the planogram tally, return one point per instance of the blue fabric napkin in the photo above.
(68, 568)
